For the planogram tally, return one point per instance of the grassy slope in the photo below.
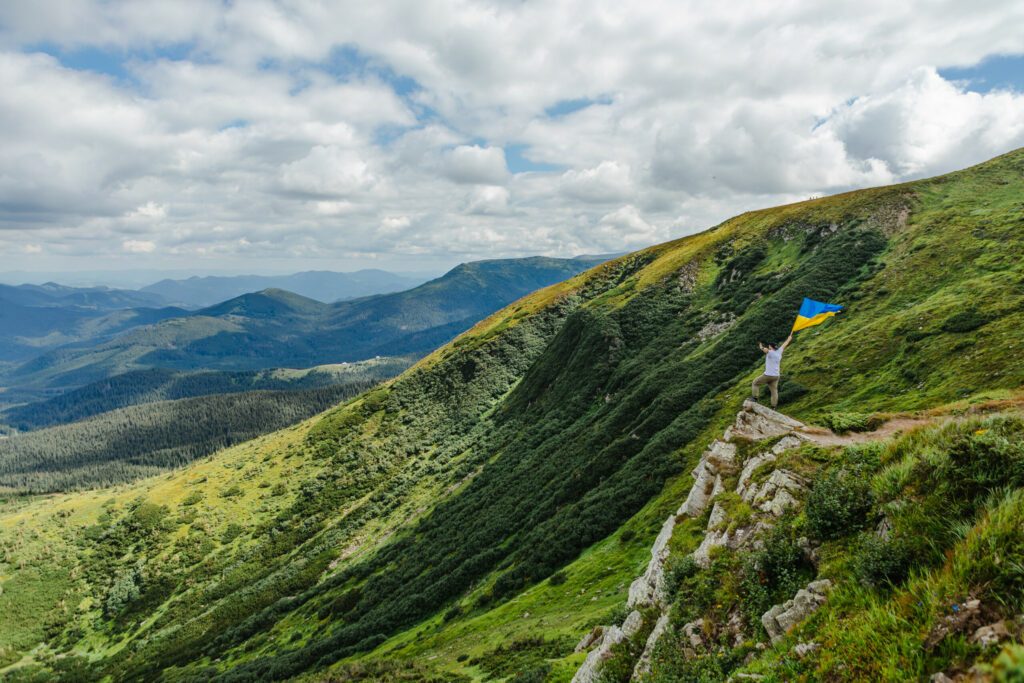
(457, 423)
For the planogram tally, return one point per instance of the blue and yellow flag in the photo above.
(814, 313)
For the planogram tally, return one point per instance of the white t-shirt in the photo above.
(773, 363)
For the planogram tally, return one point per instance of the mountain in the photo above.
(320, 285)
(491, 513)
(94, 298)
(275, 328)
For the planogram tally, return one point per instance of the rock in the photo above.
(735, 626)
(778, 620)
(719, 487)
(717, 517)
(734, 539)
(787, 442)
(756, 422)
(588, 640)
(632, 624)
(589, 671)
(700, 493)
(964, 617)
(801, 650)
(743, 487)
(649, 589)
(694, 632)
(643, 665)
(992, 634)
(940, 678)
(721, 455)
(779, 492)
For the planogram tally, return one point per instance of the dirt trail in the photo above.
(901, 424)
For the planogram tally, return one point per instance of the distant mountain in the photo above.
(93, 298)
(277, 328)
(320, 285)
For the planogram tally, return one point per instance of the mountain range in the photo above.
(276, 328)
(563, 491)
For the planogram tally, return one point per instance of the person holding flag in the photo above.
(811, 313)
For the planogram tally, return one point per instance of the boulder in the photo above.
(801, 650)
(756, 422)
(778, 620)
(694, 632)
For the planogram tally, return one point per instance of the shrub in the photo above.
(964, 321)
(879, 562)
(841, 423)
(838, 504)
(192, 498)
(678, 571)
(774, 572)
(558, 578)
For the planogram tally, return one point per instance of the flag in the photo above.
(814, 313)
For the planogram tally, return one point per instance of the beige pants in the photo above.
(773, 387)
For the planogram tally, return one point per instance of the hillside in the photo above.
(275, 328)
(477, 517)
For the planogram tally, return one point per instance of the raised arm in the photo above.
(788, 339)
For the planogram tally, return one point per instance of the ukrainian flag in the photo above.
(814, 313)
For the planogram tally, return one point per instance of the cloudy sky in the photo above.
(282, 136)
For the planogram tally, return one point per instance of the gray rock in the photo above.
(779, 492)
(721, 455)
(694, 632)
(590, 639)
(992, 634)
(700, 493)
(589, 671)
(756, 422)
(632, 624)
(801, 650)
(781, 618)
(643, 665)
(649, 588)
(787, 442)
(744, 488)
(940, 678)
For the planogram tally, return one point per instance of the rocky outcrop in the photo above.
(589, 671)
(781, 618)
(649, 589)
(756, 422)
(643, 665)
(718, 459)
(717, 465)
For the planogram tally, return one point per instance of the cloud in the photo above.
(608, 182)
(328, 171)
(475, 164)
(138, 246)
(487, 200)
(246, 134)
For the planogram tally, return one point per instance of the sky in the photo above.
(260, 136)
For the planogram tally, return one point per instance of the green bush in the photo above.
(965, 321)
(773, 573)
(678, 571)
(558, 578)
(842, 423)
(838, 504)
(878, 562)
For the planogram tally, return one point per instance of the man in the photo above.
(772, 369)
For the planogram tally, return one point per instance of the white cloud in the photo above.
(328, 171)
(138, 246)
(608, 182)
(475, 164)
(487, 200)
(305, 130)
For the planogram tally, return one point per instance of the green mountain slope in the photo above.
(478, 515)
